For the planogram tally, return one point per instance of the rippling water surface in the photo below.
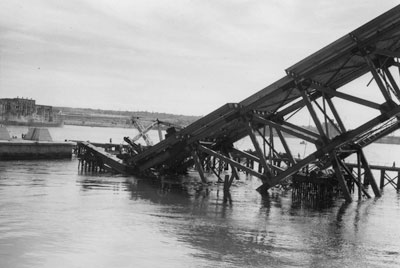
(52, 216)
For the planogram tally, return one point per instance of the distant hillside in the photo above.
(110, 118)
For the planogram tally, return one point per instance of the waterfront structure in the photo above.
(37, 144)
(21, 111)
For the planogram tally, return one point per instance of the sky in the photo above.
(181, 57)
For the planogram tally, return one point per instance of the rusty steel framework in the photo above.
(311, 85)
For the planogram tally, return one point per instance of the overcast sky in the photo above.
(181, 57)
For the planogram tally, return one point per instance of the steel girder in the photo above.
(311, 85)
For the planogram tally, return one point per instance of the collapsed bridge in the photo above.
(312, 85)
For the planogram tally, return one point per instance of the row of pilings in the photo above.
(88, 162)
(314, 193)
(303, 188)
(90, 166)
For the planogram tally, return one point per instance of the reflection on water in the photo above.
(50, 216)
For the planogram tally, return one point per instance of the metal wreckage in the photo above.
(312, 85)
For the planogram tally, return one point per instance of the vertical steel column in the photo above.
(382, 182)
(256, 145)
(313, 114)
(392, 81)
(340, 178)
(227, 195)
(357, 181)
(325, 115)
(272, 146)
(369, 175)
(235, 173)
(398, 181)
(286, 146)
(377, 79)
(359, 174)
(336, 115)
(198, 165)
(264, 143)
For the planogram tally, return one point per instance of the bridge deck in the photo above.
(372, 48)
(107, 159)
(333, 66)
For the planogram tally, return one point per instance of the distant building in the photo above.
(20, 111)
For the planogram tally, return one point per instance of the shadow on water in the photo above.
(158, 191)
(238, 233)
(249, 230)
(199, 214)
(178, 193)
(99, 182)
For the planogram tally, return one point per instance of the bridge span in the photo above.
(312, 85)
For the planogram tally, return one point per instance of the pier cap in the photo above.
(38, 134)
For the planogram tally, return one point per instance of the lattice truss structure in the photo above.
(310, 85)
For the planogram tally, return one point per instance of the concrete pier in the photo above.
(37, 144)
(25, 150)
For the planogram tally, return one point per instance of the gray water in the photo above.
(53, 216)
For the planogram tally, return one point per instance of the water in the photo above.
(52, 216)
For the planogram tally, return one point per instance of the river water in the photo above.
(53, 216)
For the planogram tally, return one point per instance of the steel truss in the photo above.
(310, 85)
(313, 88)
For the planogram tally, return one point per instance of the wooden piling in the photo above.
(398, 181)
(382, 181)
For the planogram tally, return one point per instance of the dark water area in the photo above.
(53, 216)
